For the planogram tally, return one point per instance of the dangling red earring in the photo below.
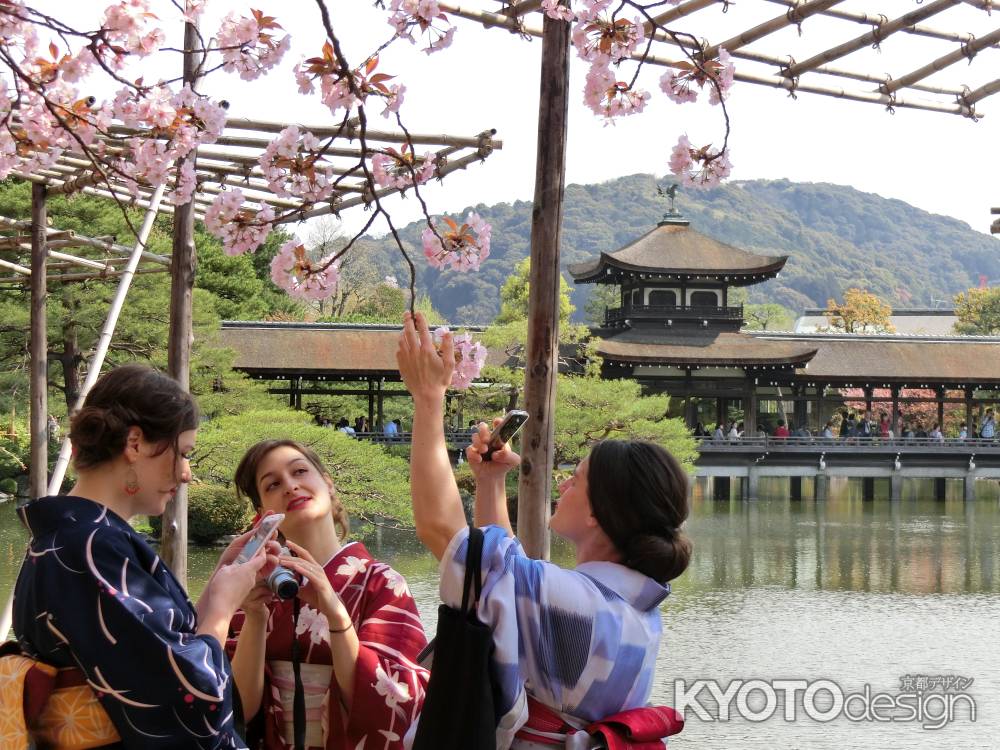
(131, 482)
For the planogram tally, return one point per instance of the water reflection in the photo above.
(859, 592)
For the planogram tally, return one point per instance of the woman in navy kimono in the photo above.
(92, 595)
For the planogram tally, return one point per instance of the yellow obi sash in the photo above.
(54, 708)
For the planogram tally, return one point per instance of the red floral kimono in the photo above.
(388, 685)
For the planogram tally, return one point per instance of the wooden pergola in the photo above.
(29, 250)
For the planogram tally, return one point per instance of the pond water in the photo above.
(859, 593)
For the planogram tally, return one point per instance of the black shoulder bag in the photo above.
(458, 711)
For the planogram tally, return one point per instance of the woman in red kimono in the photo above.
(357, 632)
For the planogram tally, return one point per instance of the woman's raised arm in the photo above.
(437, 506)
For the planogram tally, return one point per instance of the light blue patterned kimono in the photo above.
(582, 641)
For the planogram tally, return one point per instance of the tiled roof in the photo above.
(679, 250)
(710, 350)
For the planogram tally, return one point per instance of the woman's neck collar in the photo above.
(320, 539)
(105, 488)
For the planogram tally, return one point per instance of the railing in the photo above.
(454, 438)
(773, 444)
(642, 312)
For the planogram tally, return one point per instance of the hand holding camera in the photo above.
(317, 590)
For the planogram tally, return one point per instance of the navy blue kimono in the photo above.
(92, 594)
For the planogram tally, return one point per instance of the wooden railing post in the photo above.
(535, 485)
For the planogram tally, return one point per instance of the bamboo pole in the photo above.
(18, 269)
(39, 465)
(537, 450)
(982, 92)
(183, 260)
(81, 241)
(867, 19)
(523, 7)
(799, 14)
(684, 9)
(966, 50)
(59, 278)
(874, 36)
(107, 332)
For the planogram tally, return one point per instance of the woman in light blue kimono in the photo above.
(94, 600)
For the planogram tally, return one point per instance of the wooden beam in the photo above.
(39, 464)
(795, 15)
(516, 10)
(679, 11)
(873, 19)
(966, 50)
(877, 34)
(537, 449)
(173, 540)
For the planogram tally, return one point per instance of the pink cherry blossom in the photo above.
(610, 98)
(717, 74)
(240, 229)
(249, 46)
(559, 12)
(470, 356)
(293, 166)
(293, 271)
(699, 168)
(424, 16)
(464, 247)
(598, 37)
(401, 169)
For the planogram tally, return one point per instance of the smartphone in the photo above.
(512, 422)
(265, 529)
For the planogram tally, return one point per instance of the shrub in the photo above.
(15, 453)
(213, 512)
(8, 486)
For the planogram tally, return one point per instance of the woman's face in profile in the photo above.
(573, 516)
(288, 483)
(161, 472)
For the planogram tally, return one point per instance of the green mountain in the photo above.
(837, 237)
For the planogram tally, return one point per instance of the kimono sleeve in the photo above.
(136, 643)
(389, 684)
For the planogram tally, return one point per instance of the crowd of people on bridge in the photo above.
(850, 426)
(111, 653)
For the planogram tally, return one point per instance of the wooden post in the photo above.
(940, 407)
(39, 467)
(183, 261)
(968, 412)
(897, 430)
(371, 405)
(537, 450)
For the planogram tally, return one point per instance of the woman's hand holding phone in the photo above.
(500, 461)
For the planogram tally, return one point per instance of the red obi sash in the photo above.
(635, 729)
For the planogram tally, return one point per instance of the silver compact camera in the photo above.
(283, 583)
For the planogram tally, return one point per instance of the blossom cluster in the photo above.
(402, 169)
(293, 166)
(717, 73)
(241, 229)
(703, 167)
(470, 356)
(425, 16)
(462, 248)
(249, 46)
(293, 271)
(345, 90)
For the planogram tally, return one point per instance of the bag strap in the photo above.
(299, 696)
(473, 567)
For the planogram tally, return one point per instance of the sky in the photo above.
(488, 78)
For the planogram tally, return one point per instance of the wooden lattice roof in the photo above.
(783, 44)
(232, 162)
